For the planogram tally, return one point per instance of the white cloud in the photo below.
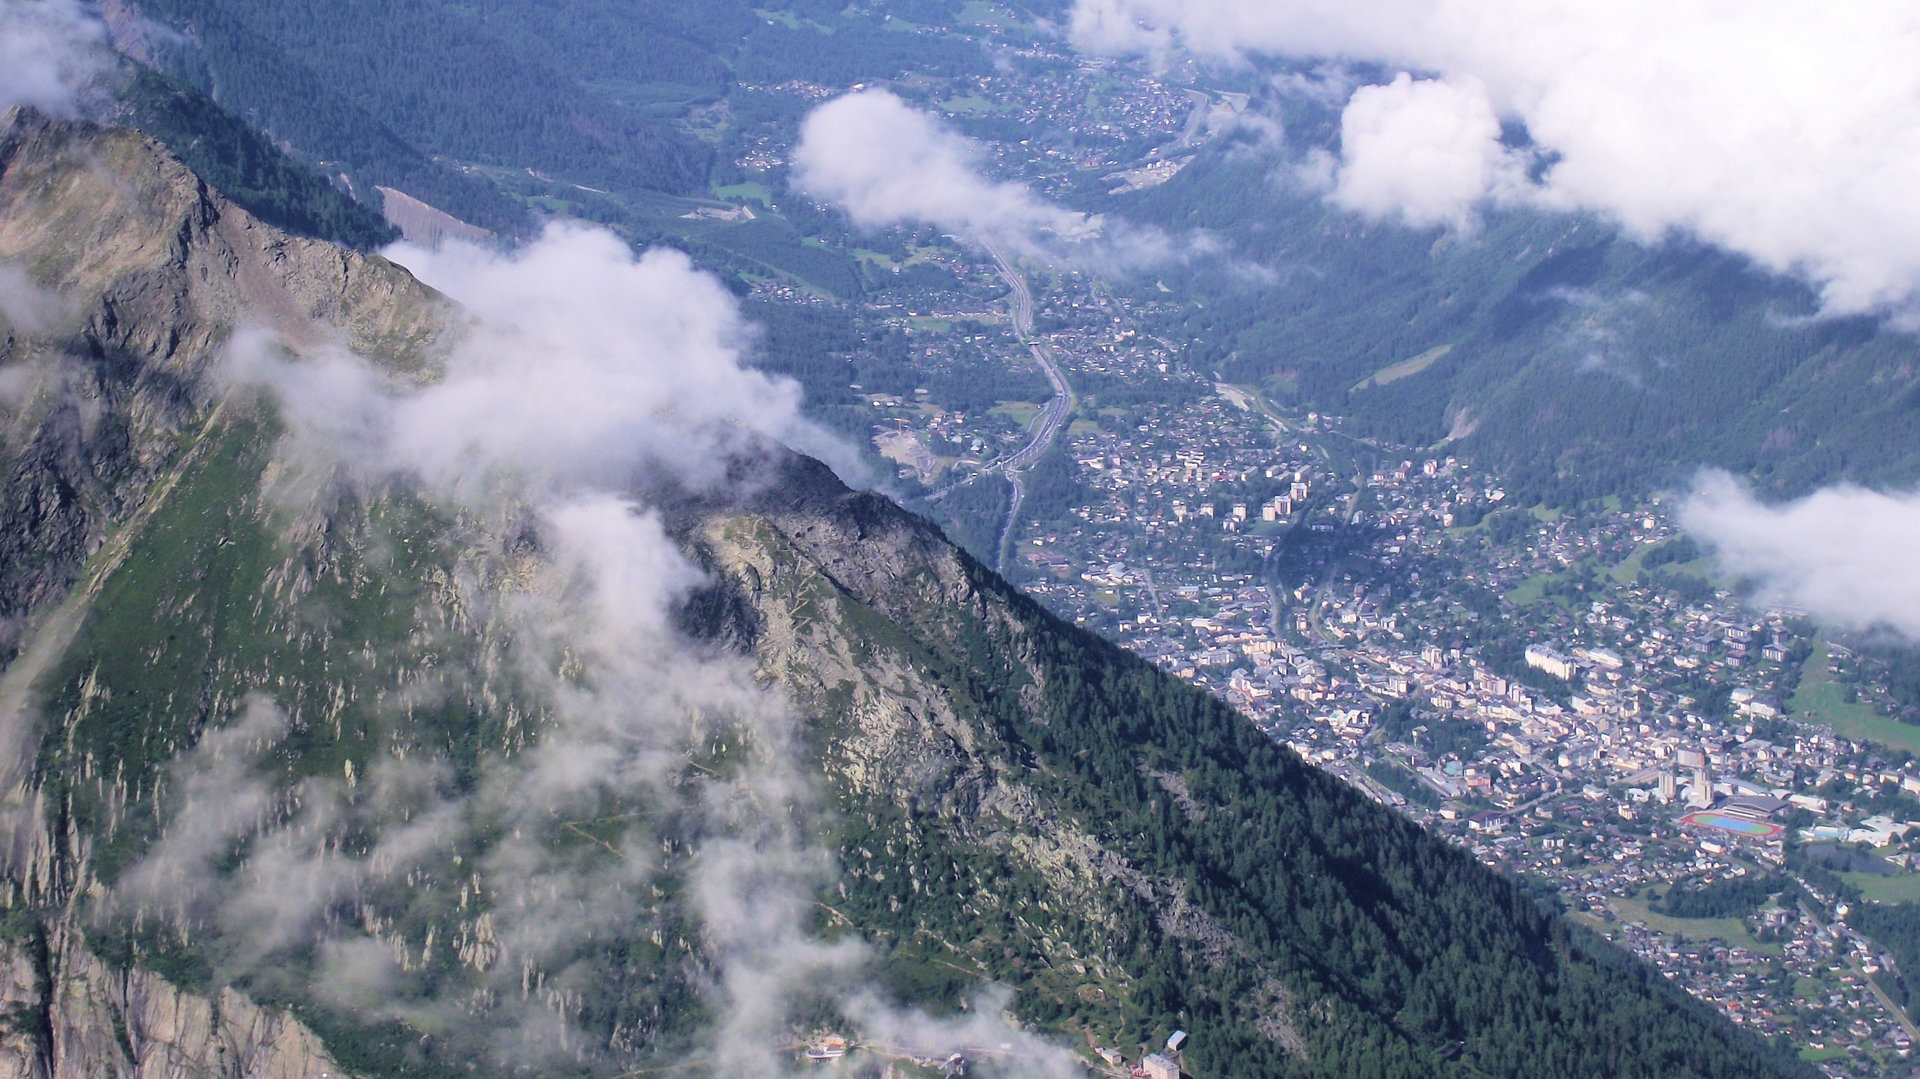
(579, 378)
(583, 367)
(50, 53)
(1845, 553)
(587, 358)
(1426, 151)
(1786, 130)
(886, 163)
(25, 307)
(582, 379)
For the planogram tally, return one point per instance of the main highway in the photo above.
(1052, 418)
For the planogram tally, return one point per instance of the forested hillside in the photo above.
(445, 100)
(1357, 904)
(305, 108)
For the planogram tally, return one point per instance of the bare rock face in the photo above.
(162, 267)
(21, 1008)
(67, 1014)
(123, 277)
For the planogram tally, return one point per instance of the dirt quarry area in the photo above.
(906, 449)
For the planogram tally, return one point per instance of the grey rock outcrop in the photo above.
(67, 1014)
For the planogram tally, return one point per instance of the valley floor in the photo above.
(1375, 607)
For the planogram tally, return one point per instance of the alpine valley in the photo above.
(330, 751)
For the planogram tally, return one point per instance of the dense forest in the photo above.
(1896, 927)
(304, 107)
(544, 100)
(1896, 664)
(391, 93)
(1728, 897)
(230, 155)
(1438, 736)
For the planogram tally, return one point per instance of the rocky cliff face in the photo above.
(69, 1015)
(122, 277)
(822, 570)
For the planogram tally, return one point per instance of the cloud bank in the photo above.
(1847, 554)
(1424, 151)
(886, 163)
(1785, 130)
(50, 53)
(583, 368)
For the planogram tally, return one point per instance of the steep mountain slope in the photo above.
(72, 1015)
(472, 782)
(597, 108)
(1219, 882)
(135, 273)
(390, 91)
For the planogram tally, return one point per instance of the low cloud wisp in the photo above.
(886, 163)
(1425, 151)
(562, 381)
(1845, 553)
(51, 52)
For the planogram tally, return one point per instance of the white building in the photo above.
(1542, 658)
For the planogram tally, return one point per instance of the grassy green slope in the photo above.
(349, 623)
(210, 604)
